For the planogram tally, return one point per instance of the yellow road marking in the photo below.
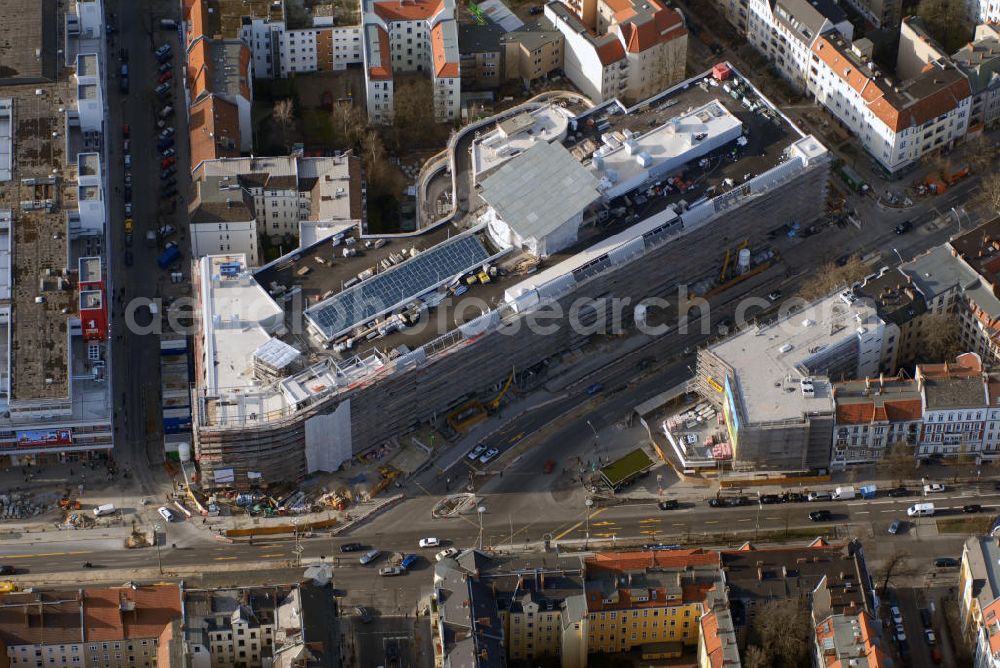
(579, 524)
(517, 438)
(649, 533)
(605, 523)
(712, 522)
(273, 554)
(649, 521)
(225, 558)
(41, 554)
(604, 535)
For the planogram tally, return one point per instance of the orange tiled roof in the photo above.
(245, 72)
(197, 13)
(710, 636)
(610, 52)
(919, 112)
(890, 411)
(215, 130)
(197, 67)
(383, 72)
(407, 10)
(442, 67)
(154, 608)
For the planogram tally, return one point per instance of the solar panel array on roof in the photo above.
(405, 281)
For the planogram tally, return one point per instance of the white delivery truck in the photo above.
(104, 510)
(921, 510)
(843, 493)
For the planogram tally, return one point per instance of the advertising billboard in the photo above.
(40, 438)
(732, 416)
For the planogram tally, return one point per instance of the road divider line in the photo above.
(578, 524)
(225, 558)
(41, 554)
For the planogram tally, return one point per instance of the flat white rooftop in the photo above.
(238, 318)
(509, 138)
(769, 362)
(681, 139)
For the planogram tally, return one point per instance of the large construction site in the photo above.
(54, 397)
(342, 346)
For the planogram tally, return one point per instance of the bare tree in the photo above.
(284, 115)
(989, 192)
(897, 565)
(964, 463)
(830, 277)
(783, 627)
(940, 334)
(981, 152)
(948, 21)
(756, 657)
(348, 125)
(898, 462)
(413, 121)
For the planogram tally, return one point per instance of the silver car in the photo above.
(369, 556)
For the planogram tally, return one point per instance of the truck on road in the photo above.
(844, 493)
(868, 491)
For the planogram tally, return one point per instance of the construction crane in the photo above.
(495, 403)
(724, 274)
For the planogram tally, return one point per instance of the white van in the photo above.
(920, 510)
(103, 511)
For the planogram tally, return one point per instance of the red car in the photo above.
(550, 465)
(165, 77)
(125, 130)
(166, 162)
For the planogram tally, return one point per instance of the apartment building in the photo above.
(238, 199)
(784, 31)
(640, 598)
(984, 11)
(959, 279)
(246, 626)
(487, 610)
(917, 49)
(621, 49)
(897, 123)
(873, 415)
(482, 55)
(55, 395)
(980, 61)
(115, 627)
(411, 37)
(883, 14)
(280, 50)
(532, 52)
(850, 639)
(979, 598)
(218, 87)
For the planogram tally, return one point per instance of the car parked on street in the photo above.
(408, 561)
(897, 615)
(166, 162)
(898, 492)
(900, 633)
(162, 90)
(946, 562)
(351, 547)
(488, 455)
(127, 160)
(934, 488)
(669, 504)
(389, 571)
(819, 496)
(766, 499)
(930, 637)
(363, 615)
(166, 513)
(896, 527)
(475, 452)
(165, 77)
(972, 508)
(6, 569)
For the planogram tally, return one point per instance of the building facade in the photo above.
(630, 51)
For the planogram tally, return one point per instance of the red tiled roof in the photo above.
(890, 411)
(710, 636)
(197, 67)
(197, 13)
(442, 67)
(215, 130)
(407, 10)
(245, 72)
(382, 72)
(146, 611)
(927, 108)
(610, 52)
(40, 618)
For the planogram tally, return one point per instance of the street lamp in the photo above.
(901, 260)
(481, 510)
(156, 541)
(589, 503)
(596, 439)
